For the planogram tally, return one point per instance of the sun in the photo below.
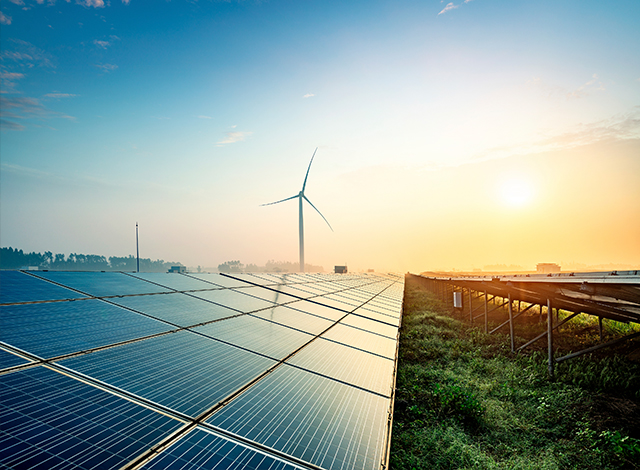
(516, 191)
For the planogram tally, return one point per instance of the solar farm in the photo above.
(162, 371)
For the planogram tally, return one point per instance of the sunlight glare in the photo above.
(516, 192)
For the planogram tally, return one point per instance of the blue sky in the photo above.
(185, 116)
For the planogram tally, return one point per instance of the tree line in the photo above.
(271, 266)
(11, 258)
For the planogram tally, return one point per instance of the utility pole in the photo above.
(137, 251)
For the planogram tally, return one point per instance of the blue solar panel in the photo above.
(234, 299)
(272, 294)
(179, 282)
(16, 286)
(347, 364)
(102, 284)
(327, 405)
(183, 371)
(202, 450)
(52, 329)
(297, 319)
(357, 338)
(180, 309)
(315, 419)
(50, 421)
(9, 360)
(219, 280)
(257, 335)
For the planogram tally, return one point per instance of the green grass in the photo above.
(464, 400)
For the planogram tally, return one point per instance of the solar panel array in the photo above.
(186, 371)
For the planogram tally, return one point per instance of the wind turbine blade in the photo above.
(281, 200)
(304, 185)
(305, 198)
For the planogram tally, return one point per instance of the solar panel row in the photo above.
(155, 370)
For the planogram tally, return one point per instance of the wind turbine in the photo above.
(300, 197)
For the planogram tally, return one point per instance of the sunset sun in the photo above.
(516, 192)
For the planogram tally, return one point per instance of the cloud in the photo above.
(620, 127)
(91, 3)
(554, 91)
(27, 55)
(23, 107)
(126, 2)
(59, 95)
(205, 117)
(106, 67)
(102, 44)
(233, 137)
(308, 95)
(450, 6)
(10, 125)
(4, 19)
(592, 85)
(17, 2)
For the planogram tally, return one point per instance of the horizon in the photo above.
(451, 135)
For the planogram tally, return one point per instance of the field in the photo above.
(465, 401)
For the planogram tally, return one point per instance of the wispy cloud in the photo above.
(4, 19)
(558, 92)
(101, 44)
(205, 117)
(59, 95)
(106, 67)
(450, 6)
(23, 107)
(17, 2)
(8, 81)
(233, 137)
(26, 54)
(620, 127)
(308, 95)
(91, 3)
(584, 90)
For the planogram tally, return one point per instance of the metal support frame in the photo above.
(542, 335)
(545, 294)
(550, 362)
(486, 316)
(597, 346)
(506, 322)
(513, 345)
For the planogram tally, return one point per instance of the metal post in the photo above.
(550, 362)
(513, 346)
(486, 312)
(600, 327)
(470, 307)
(137, 251)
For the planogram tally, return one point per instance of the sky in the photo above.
(450, 135)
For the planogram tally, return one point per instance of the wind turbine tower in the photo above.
(300, 197)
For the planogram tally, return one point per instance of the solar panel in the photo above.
(8, 359)
(100, 284)
(319, 420)
(182, 371)
(287, 315)
(201, 449)
(352, 366)
(175, 281)
(234, 299)
(16, 286)
(50, 420)
(53, 329)
(177, 308)
(250, 383)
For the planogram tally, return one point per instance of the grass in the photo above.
(464, 400)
